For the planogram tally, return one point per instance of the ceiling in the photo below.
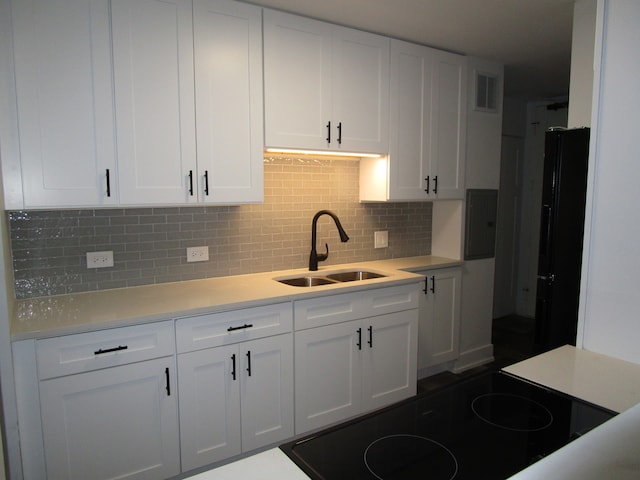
(532, 38)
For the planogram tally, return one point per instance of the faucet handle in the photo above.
(323, 256)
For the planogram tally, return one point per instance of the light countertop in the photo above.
(74, 313)
(599, 379)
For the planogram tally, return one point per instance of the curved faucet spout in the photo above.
(314, 257)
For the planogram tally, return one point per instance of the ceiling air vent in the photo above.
(486, 92)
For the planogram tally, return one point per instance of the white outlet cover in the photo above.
(197, 254)
(99, 259)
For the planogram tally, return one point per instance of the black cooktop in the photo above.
(488, 426)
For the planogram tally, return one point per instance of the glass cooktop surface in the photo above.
(489, 426)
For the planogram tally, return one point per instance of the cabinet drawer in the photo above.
(106, 348)
(320, 311)
(215, 329)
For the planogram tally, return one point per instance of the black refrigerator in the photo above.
(564, 187)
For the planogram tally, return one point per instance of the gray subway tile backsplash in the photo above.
(149, 244)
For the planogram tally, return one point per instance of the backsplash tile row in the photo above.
(149, 244)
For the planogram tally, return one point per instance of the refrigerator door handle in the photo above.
(548, 278)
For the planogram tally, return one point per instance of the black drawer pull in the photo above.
(110, 350)
(241, 327)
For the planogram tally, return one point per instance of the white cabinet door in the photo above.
(154, 100)
(326, 87)
(297, 77)
(65, 102)
(120, 422)
(266, 391)
(410, 121)
(229, 105)
(439, 327)
(360, 91)
(391, 350)
(209, 405)
(328, 374)
(235, 399)
(449, 125)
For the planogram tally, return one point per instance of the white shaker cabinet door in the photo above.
(229, 101)
(410, 121)
(65, 102)
(391, 352)
(209, 405)
(439, 327)
(116, 423)
(154, 99)
(360, 91)
(449, 126)
(297, 76)
(266, 391)
(328, 374)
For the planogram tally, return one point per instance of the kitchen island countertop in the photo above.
(56, 315)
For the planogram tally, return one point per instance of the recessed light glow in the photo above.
(322, 152)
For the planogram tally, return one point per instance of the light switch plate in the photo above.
(381, 239)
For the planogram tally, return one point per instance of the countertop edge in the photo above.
(43, 317)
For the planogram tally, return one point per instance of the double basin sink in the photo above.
(330, 278)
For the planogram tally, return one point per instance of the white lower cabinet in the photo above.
(239, 397)
(439, 329)
(234, 399)
(347, 368)
(119, 422)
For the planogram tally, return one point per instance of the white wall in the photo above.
(581, 83)
(609, 316)
(482, 171)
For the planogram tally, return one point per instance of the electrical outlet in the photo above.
(197, 254)
(99, 259)
(381, 239)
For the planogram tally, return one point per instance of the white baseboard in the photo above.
(474, 358)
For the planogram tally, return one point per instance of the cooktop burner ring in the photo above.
(542, 415)
(451, 472)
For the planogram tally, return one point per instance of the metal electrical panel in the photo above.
(480, 221)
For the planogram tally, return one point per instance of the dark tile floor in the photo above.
(512, 338)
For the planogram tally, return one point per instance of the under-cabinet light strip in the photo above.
(322, 152)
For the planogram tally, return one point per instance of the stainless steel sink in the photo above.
(338, 277)
(307, 281)
(354, 276)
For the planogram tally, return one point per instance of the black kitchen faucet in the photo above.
(314, 257)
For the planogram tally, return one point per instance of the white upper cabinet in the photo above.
(326, 87)
(427, 129)
(65, 121)
(229, 101)
(154, 98)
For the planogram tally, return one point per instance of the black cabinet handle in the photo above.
(359, 344)
(109, 350)
(108, 183)
(249, 362)
(241, 327)
(329, 131)
(206, 182)
(191, 182)
(433, 284)
(233, 366)
(370, 342)
(427, 180)
(435, 185)
(166, 376)
(340, 133)
(426, 285)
